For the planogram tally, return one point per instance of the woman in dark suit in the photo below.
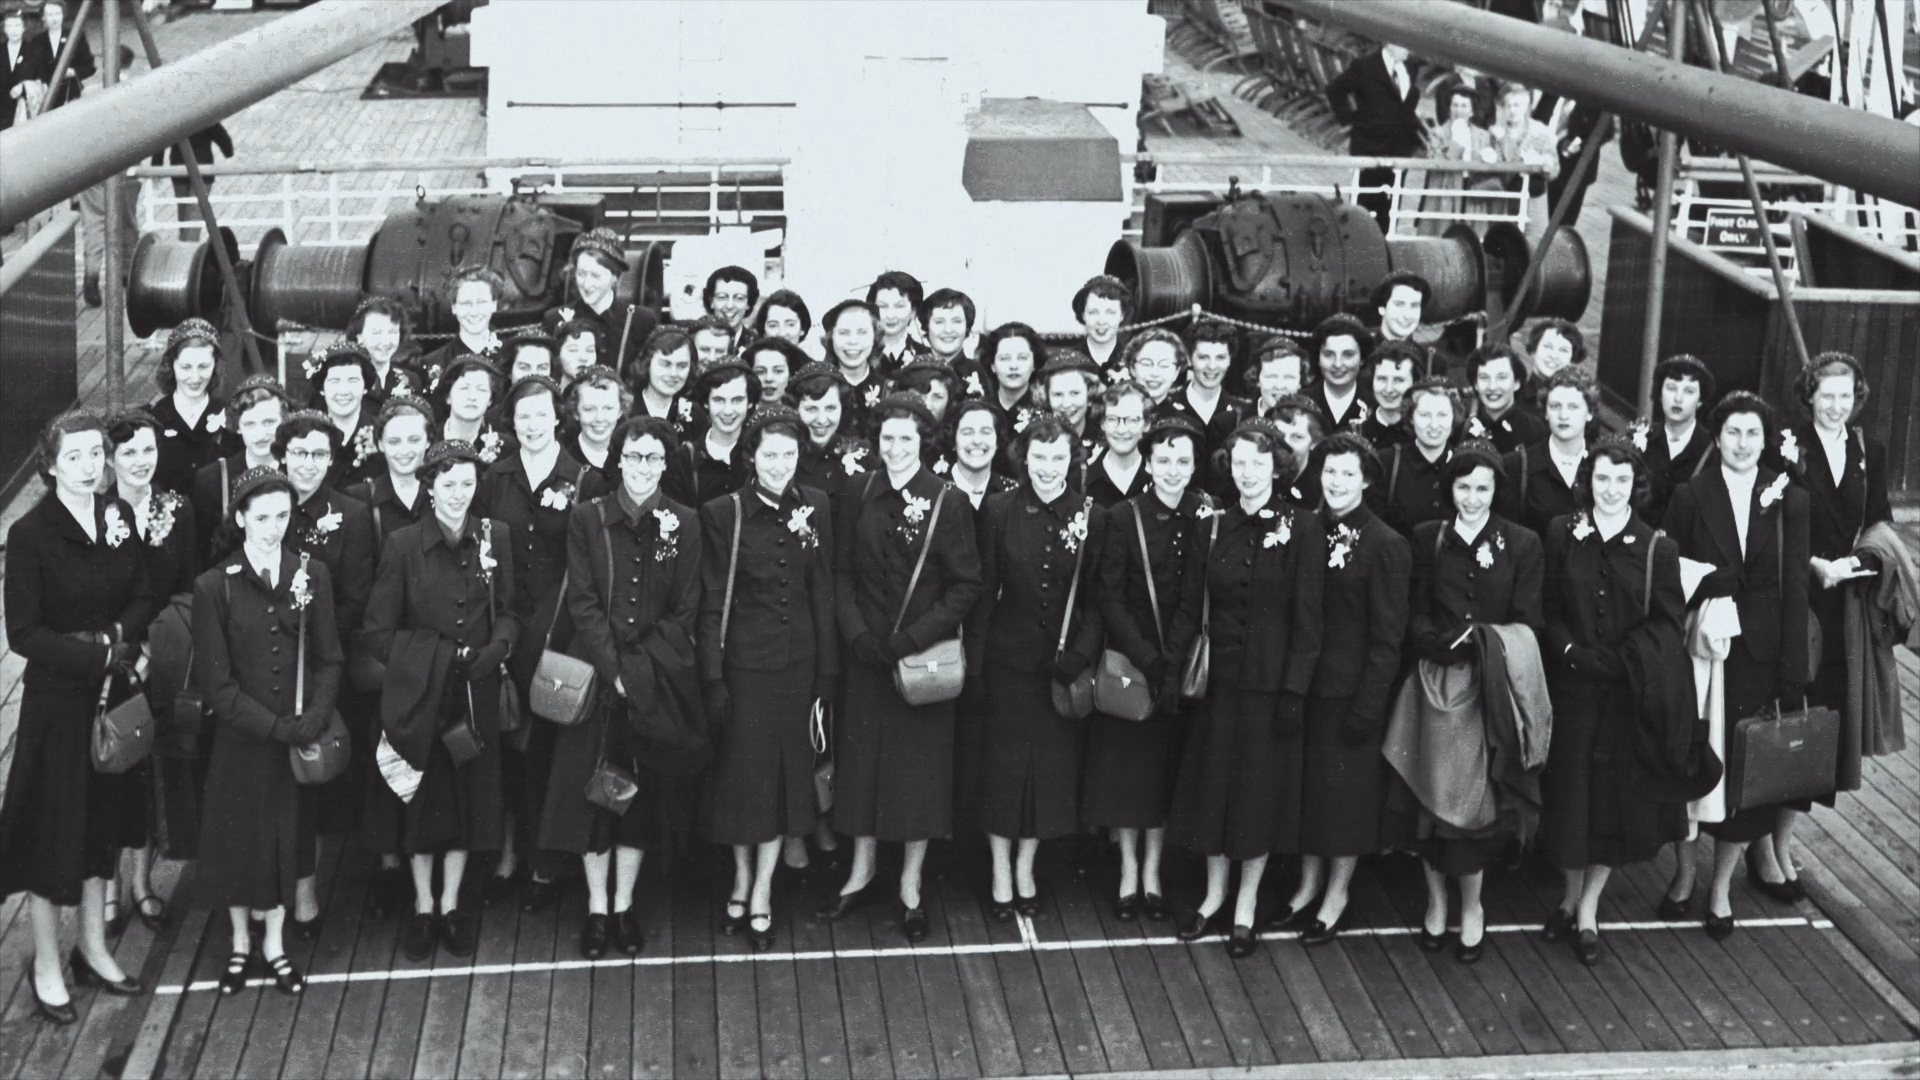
(973, 436)
(1117, 470)
(1414, 487)
(250, 612)
(1608, 574)
(599, 259)
(633, 593)
(78, 598)
(832, 455)
(253, 415)
(1263, 573)
(894, 761)
(163, 521)
(444, 617)
(1473, 567)
(595, 404)
(193, 421)
(1543, 474)
(1011, 354)
(1845, 476)
(533, 489)
(405, 430)
(1751, 524)
(1364, 614)
(712, 465)
(344, 385)
(1144, 585)
(779, 655)
(382, 327)
(466, 397)
(1036, 624)
(337, 531)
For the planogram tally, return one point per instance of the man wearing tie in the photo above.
(1377, 98)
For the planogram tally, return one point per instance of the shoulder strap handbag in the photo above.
(611, 786)
(626, 330)
(1646, 587)
(1393, 475)
(937, 672)
(1120, 688)
(513, 717)
(733, 565)
(562, 687)
(1524, 470)
(122, 734)
(325, 758)
(1074, 700)
(226, 495)
(1194, 677)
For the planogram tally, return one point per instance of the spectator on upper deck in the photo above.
(202, 143)
(1377, 96)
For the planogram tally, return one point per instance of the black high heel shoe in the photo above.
(1288, 918)
(1719, 927)
(1430, 942)
(1195, 927)
(286, 978)
(1673, 910)
(760, 932)
(1154, 907)
(152, 911)
(1026, 905)
(846, 904)
(1322, 934)
(594, 935)
(913, 920)
(305, 929)
(732, 924)
(1000, 911)
(85, 975)
(1778, 891)
(1241, 943)
(62, 1015)
(1127, 908)
(1586, 946)
(1559, 926)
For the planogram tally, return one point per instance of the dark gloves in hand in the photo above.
(1167, 702)
(719, 703)
(121, 657)
(1356, 729)
(899, 645)
(312, 726)
(287, 729)
(486, 661)
(826, 687)
(1288, 714)
(1869, 560)
(1067, 667)
(869, 650)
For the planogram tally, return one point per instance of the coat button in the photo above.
(785, 600)
(459, 622)
(271, 609)
(460, 602)
(782, 541)
(629, 620)
(783, 562)
(784, 620)
(274, 629)
(1046, 585)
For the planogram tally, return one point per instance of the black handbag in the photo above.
(325, 758)
(122, 734)
(610, 787)
(1120, 688)
(1193, 678)
(1074, 701)
(1782, 755)
(462, 738)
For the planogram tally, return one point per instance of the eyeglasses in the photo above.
(651, 461)
(1125, 421)
(309, 455)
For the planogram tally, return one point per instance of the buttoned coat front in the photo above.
(187, 448)
(893, 761)
(1412, 489)
(257, 824)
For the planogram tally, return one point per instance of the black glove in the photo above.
(312, 725)
(1168, 701)
(286, 729)
(869, 650)
(826, 687)
(1356, 729)
(1067, 667)
(719, 703)
(1288, 714)
(486, 661)
(899, 645)
(121, 657)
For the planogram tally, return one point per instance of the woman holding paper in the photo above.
(1750, 524)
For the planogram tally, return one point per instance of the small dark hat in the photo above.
(1262, 426)
(514, 393)
(1069, 360)
(909, 401)
(450, 451)
(771, 413)
(260, 382)
(1481, 452)
(531, 335)
(720, 371)
(1175, 424)
(340, 353)
(466, 362)
(604, 245)
(254, 479)
(194, 331)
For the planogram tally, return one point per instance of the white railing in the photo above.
(344, 203)
(1711, 221)
(1414, 199)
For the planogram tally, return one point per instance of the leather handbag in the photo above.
(610, 786)
(1120, 688)
(562, 687)
(1074, 701)
(1193, 677)
(179, 735)
(325, 758)
(122, 734)
(462, 738)
(1782, 755)
(937, 672)
(822, 772)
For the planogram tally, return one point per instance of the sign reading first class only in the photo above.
(1729, 228)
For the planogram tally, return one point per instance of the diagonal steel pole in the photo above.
(66, 56)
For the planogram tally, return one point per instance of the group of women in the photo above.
(1026, 594)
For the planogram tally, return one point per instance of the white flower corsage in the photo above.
(216, 420)
(1074, 531)
(1282, 531)
(686, 410)
(310, 367)
(1484, 555)
(323, 527)
(871, 395)
(565, 313)
(941, 466)
(916, 509)
(117, 528)
(1582, 526)
(850, 461)
(1774, 491)
(362, 445)
(557, 497)
(300, 592)
(1638, 432)
(668, 525)
(489, 446)
(487, 562)
(160, 516)
(1475, 428)
(974, 389)
(1360, 413)
(1022, 417)
(799, 525)
(170, 433)
(1789, 447)
(490, 344)
(1341, 546)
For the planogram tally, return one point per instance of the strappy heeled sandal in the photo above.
(286, 978)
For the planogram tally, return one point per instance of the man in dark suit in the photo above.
(20, 74)
(47, 48)
(1376, 96)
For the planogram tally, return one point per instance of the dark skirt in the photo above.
(893, 762)
(524, 773)
(256, 826)
(969, 750)
(1030, 758)
(1341, 786)
(661, 815)
(1588, 815)
(1227, 800)
(60, 823)
(1130, 768)
(760, 785)
(341, 801)
(1749, 688)
(136, 804)
(457, 809)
